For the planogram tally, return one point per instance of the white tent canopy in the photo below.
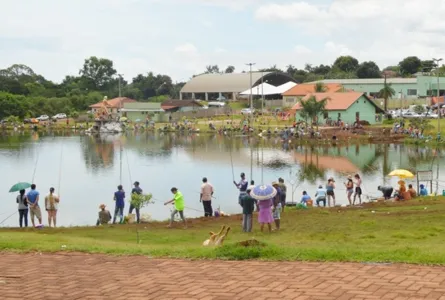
(261, 89)
(268, 89)
(285, 87)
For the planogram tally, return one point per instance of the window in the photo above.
(325, 115)
(411, 92)
(290, 100)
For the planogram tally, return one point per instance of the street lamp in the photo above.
(157, 98)
(437, 61)
(251, 101)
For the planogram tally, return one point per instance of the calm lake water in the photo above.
(92, 167)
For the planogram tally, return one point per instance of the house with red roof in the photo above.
(293, 95)
(343, 106)
(113, 105)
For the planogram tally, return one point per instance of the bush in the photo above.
(389, 122)
(364, 123)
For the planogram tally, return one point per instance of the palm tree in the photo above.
(311, 108)
(386, 92)
(320, 87)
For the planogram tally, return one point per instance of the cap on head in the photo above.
(274, 183)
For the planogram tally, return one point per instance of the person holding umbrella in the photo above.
(22, 202)
(265, 195)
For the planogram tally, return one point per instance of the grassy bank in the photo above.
(411, 232)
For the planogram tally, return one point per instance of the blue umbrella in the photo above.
(263, 192)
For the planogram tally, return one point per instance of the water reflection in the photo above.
(94, 165)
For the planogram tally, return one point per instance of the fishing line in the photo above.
(60, 169)
(8, 217)
(37, 161)
(231, 159)
(128, 166)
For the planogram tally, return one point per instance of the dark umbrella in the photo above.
(19, 186)
(263, 192)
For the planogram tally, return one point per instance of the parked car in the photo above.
(246, 111)
(59, 116)
(43, 118)
(411, 115)
(27, 121)
(430, 115)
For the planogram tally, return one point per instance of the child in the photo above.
(349, 189)
(178, 200)
(248, 205)
(423, 191)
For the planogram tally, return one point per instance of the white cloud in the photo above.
(220, 50)
(380, 30)
(302, 50)
(187, 48)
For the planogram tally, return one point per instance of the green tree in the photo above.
(386, 93)
(212, 69)
(346, 64)
(97, 74)
(320, 87)
(410, 65)
(311, 108)
(419, 109)
(368, 69)
(230, 69)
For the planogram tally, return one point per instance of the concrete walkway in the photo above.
(82, 276)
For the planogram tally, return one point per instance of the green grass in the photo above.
(409, 233)
(238, 105)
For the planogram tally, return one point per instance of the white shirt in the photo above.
(206, 192)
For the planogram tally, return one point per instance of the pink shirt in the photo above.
(206, 191)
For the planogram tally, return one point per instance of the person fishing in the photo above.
(206, 197)
(138, 191)
(119, 197)
(51, 206)
(178, 201)
(104, 216)
(242, 187)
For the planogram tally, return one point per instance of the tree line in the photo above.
(346, 67)
(25, 93)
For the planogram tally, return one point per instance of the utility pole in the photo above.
(119, 76)
(437, 61)
(251, 99)
(262, 92)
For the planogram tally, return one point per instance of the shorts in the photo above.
(330, 193)
(35, 211)
(358, 191)
(349, 191)
(277, 212)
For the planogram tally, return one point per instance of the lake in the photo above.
(91, 167)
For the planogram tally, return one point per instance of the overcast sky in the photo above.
(181, 37)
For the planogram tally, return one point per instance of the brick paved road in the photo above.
(83, 276)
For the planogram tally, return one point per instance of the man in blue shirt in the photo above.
(136, 190)
(34, 208)
(242, 186)
(119, 197)
(305, 198)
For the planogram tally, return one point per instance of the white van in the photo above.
(216, 104)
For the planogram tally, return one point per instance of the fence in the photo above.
(201, 113)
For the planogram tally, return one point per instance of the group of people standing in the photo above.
(325, 194)
(29, 203)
